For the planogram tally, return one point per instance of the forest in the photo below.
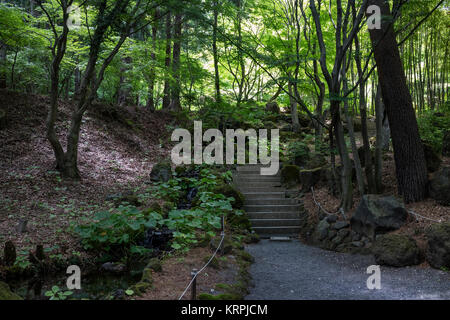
(91, 91)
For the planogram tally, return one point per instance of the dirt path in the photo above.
(292, 270)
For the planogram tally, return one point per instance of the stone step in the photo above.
(275, 222)
(260, 179)
(272, 208)
(273, 215)
(256, 184)
(263, 195)
(245, 175)
(268, 201)
(250, 169)
(272, 231)
(251, 189)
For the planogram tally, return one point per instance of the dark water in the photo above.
(96, 285)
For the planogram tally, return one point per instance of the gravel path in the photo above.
(294, 271)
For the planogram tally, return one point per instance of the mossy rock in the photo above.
(240, 222)
(252, 238)
(396, 250)
(161, 172)
(231, 192)
(438, 251)
(140, 288)
(147, 276)
(155, 265)
(290, 175)
(310, 177)
(7, 294)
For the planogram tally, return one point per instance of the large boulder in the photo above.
(161, 172)
(314, 172)
(290, 175)
(273, 107)
(377, 214)
(446, 144)
(440, 186)
(7, 294)
(432, 158)
(438, 251)
(396, 250)
(321, 231)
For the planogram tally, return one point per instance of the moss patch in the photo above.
(7, 294)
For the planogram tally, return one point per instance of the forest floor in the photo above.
(117, 151)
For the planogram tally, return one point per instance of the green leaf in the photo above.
(129, 292)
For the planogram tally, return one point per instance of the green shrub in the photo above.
(119, 228)
(432, 128)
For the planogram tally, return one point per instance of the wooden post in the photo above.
(194, 284)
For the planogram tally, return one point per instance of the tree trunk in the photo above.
(409, 156)
(3, 64)
(379, 144)
(363, 111)
(166, 97)
(293, 107)
(215, 52)
(151, 81)
(175, 105)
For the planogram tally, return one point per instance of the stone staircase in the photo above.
(270, 212)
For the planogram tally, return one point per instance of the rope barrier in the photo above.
(194, 277)
(341, 211)
(418, 215)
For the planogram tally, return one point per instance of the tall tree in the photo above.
(215, 50)
(175, 104)
(409, 156)
(167, 80)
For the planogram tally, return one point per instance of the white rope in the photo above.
(418, 215)
(204, 267)
(323, 209)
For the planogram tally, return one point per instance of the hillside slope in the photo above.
(118, 147)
